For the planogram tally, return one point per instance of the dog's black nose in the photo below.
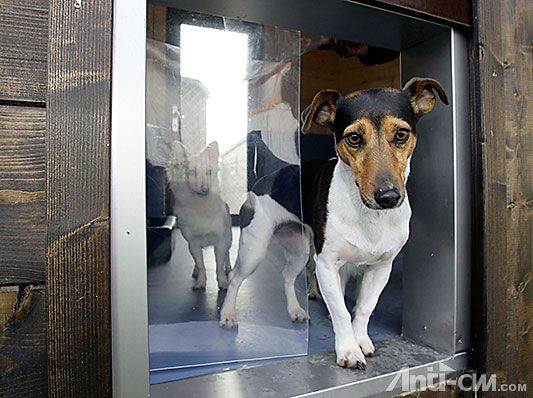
(387, 198)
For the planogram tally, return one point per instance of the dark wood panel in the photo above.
(22, 198)
(24, 47)
(22, 241)
(458, 11)
(503, 35)
(78, 175)
(23, 342)
(22, 149)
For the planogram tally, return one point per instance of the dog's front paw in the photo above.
(350, 356)
(228, 320)
(298, 314)
(199, 284)
(366, 345)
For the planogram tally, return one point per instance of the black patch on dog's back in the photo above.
(246, 214)
(316, 181)
(283, 186)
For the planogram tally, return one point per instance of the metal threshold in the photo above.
(318, 376)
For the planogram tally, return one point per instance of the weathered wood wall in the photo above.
(23, 315)
(78, 186)
(503, 51)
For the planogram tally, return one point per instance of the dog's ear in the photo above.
(421, 90)
(178, 153)
(321, 111)
(212, 151)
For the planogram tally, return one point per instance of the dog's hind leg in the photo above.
(252, 250)
(312, 284)
(253, 244)
(296, 251)
(197, 255)
(292, 269)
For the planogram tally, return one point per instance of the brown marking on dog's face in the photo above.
(378, 154)
(375, 135)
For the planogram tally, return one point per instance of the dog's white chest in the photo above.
(360, 235)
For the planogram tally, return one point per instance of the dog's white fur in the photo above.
(253, 243)
(202, 216)
(357, 236)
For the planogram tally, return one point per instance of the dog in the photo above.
(202, 216)
(356, 206)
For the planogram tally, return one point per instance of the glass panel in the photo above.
(222, 131)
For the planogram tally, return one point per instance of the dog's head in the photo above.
(199, 172)
(375, 134)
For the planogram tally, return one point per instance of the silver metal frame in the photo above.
(436, 283)
(129, 299)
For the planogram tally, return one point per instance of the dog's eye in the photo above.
(354, 140)
(401, 136)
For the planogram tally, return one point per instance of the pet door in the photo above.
(204, 107)
(221, 114)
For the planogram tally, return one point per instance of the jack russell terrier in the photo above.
(202, 216)
(356, 207)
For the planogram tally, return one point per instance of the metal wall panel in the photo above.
(436, 257)
(463, 188)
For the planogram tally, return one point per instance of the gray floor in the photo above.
(186, 341)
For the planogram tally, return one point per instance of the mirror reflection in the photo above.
(222, 121)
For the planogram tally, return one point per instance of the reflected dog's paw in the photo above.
(223, 284)
(298, 314)
(228, 320)
(199, 285)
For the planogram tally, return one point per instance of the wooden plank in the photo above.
(24, 47)
(78, 175)
(503, 38)
(22, 198)
(23, 342)
(457, 12)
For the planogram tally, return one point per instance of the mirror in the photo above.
(222, 116)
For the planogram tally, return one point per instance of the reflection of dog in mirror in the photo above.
(356, 205)
(202, 216)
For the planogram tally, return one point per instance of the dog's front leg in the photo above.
(222, 258)
(197, 255)
(374, 280)
(348, 352)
